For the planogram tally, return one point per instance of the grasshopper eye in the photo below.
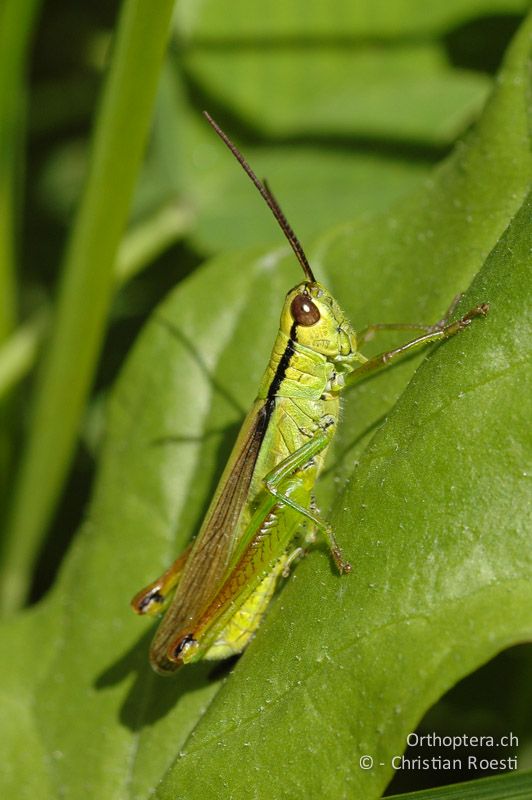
(304, 311)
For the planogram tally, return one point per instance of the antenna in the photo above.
(266, 193)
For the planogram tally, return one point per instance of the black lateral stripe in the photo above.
(283, 364)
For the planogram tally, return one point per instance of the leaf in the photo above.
(385, 72)
(344, 113)
(379, 181)
(312, 19)
(432, 517)
(358, 104)
(413, 93)
(443, 559)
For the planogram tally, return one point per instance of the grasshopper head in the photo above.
(312, 317)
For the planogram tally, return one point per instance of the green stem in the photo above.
(16, 26)
(17, 22)
(87, 284)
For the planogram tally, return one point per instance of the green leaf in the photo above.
(431, 510)
(385, 70)
(443, 559)
(228, 216)
(310, 19)
(413, 93)
(358, 104)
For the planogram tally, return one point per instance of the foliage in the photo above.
(425, 485)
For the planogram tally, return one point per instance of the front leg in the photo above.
(368, 333)
(435, 333)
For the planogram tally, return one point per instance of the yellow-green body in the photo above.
(216, 592)
(228, 578)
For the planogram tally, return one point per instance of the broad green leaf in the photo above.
(408, 92)
(314, 184)
(431, 515)
(353, 110)
(443, 560)
(313, 18)
(382, 70)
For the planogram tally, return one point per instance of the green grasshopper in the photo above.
(216, 592)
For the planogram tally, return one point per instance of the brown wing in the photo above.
(212, 549)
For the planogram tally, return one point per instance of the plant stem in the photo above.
(17, 21)
(16, 26)
(86, 286)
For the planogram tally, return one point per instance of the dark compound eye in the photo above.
(304, 311)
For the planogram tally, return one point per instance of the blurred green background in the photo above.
(345, 107)
(344, 110)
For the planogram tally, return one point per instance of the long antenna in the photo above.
(266, 193)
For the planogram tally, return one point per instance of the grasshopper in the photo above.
(216, 592)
